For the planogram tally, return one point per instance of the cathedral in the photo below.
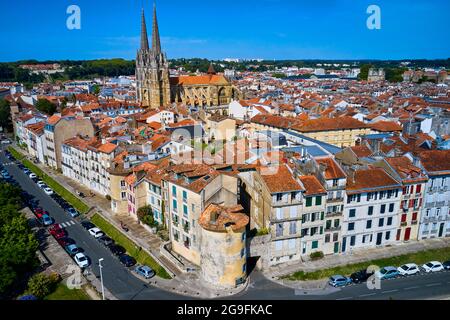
(155, 87)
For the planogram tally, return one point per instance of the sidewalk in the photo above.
(356, 257)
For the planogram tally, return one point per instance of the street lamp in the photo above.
(101, 277)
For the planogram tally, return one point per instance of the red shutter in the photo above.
(418, 188)
(414, 216)
(405, 190)
(411, 203)
(420, 202)
(398, 234)
(404, 217)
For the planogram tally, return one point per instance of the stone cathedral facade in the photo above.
(155, 87)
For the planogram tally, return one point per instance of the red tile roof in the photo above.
(279, 179)
(333, 170)
(375, 178)
(330, 124)
(312, 185)
(436, 161)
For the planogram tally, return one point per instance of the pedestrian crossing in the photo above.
(67, 224)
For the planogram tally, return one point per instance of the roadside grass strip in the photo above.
(141, 256)
(419, 258)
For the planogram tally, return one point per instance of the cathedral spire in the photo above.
(144, 37)
(156, 42)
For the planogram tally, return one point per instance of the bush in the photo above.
(145, 215)
(108, 197)
(262, 232)
(316, 255)
(41, 285)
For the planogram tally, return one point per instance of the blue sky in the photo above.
(269, 29)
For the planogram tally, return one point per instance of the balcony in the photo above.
(332, 200)
(406, 196)
(403, 224)
(333, 214)
(414, 222)
(338, 228)
(186, 228)
(440, 204)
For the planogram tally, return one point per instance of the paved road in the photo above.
(126, 286)
(117, 278)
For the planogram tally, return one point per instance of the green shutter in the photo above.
(318, 200)
(309, 201)
(322, 216)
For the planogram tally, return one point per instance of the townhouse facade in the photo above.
(435, 217)
(371, 209)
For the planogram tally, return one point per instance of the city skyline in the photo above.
(332, 30)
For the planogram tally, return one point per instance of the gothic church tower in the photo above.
(152, 69)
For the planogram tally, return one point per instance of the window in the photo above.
(414, 216)
(370, 211)
(278, 245)
(335, 237)
(369, 224)
(174, 191)
(309, 201)
(328, 225)
(315, 244)
(327, 238)
(184, 196)
(291, 244)
(123, 194)
(313, 231)
(318, 200)
(293, 227)
(185, 210)
(389, 221)
(383, 208)
(352, 213)
(388, 235)
(279, 196)
(391, 207)
(293, 212)
(418, 188)
(279, 214)
(122, 183)
(279, 231)
(243, 236)
(352, 241)
(404, 216)
(381, 222)
(336, 223)
(351, 226)
(174, 205)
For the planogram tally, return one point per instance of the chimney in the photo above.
(351, 175)
(322, 167)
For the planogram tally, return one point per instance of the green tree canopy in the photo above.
(45, 106)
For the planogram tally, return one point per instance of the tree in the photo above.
(96, 89)
(45, 106)
(41, 285)
(18, 244)
(5, 114)
(364, 74)
(145, 214)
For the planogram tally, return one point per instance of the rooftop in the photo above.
(219, 218)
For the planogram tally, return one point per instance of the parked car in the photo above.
(127, 260)
(433, 266)
(408, 269)
(360, 276)
(40, 183)
(26, 171)
(387, 273)
(87, 225)
(446, 265)
(339, 281)
(106, 241)
(72, 212)
(39, 212)
(57, 232)
(32, 175)
(65, 241)
(47, 220)
(81, 260)
(48, 191)
(96, 232)
(6, 175)
(72, 249)
(117, 250)
(145, 271)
